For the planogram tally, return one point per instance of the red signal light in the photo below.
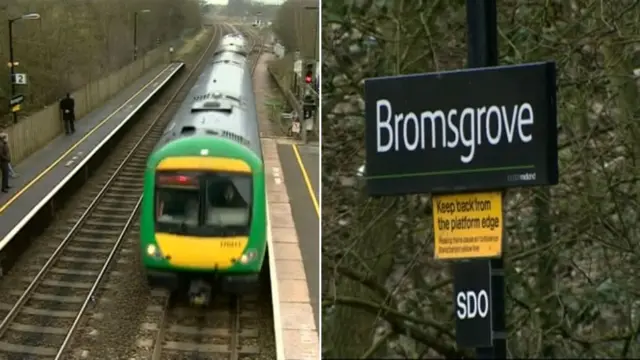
(307, 79)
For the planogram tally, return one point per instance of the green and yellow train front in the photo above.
(203, 213)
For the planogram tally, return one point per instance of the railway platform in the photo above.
(301, 173)
(292, 184)
(45, 173)
(294, 249)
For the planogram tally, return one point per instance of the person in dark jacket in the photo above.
(68, 110)
(5, 158)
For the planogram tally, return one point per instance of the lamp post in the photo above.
(315, 59)
(315, 33)
(135, 32)
(12, 63)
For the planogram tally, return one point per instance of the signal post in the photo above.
(305, 88)
(447, 134)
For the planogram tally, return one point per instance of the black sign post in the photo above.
(472, 298)
(482, 49)
(465, 136)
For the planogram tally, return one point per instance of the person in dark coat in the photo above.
(5, 159)
(68, 110)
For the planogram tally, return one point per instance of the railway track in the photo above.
(230, 328)
(62, 286)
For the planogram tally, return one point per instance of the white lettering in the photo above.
(397, 119)
(461, 306)
(525, 121)
(413, 119)
(383, 125)
(509, 126)
(494, 140)
(469, 142)
(469, 304)
(456, 128)
(433, 117)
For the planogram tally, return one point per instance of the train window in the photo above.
(188, 130)
(177, 207)
(229, 202)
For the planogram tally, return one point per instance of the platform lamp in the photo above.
(12, 62)
(315, 33)
(135, 31)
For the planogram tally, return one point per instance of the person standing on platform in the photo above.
(5, 159)
(68, 110)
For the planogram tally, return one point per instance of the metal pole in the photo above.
(315, 38)
(483, 52)
(135, 36)
(12, 70)
(315, 32)
(303, 121)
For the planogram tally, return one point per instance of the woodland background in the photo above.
(572, 253)
(76, 41)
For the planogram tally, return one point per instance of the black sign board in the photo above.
(472, 303)
(17, 100)
(472, 129)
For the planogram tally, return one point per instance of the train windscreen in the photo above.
(204, 204)
(229, 198)
(177, 203)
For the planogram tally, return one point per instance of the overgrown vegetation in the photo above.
(75, 42)
(572, 252)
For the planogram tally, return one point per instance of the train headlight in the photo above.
(153, 251)
(248, 256)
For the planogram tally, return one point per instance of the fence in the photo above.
(32, 133)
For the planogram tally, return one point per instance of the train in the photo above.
(203, 222)
(234, 43)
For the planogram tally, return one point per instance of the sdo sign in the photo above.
(470, 304)
(472, 289)
(474, 129)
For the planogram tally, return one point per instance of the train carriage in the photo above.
(233, 43)
(203, 215)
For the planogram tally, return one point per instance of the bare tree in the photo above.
(571, 252)
(295, 26)
(78, 41)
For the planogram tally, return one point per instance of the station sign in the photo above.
(19, 78)
(467, 226)
(16, 103)
(17, 99)
(472, 303)
(463, 130)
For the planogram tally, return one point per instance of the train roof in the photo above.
(239, 49)
(220, 104)
(226, 77)
(229, 57)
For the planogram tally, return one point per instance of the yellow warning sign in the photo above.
(467, 226)
(16, 108)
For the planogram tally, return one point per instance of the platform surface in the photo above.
(301, 170)
(47, 170)
(291, 257)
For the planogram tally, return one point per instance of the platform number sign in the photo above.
(472, 303)
(20, 79)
